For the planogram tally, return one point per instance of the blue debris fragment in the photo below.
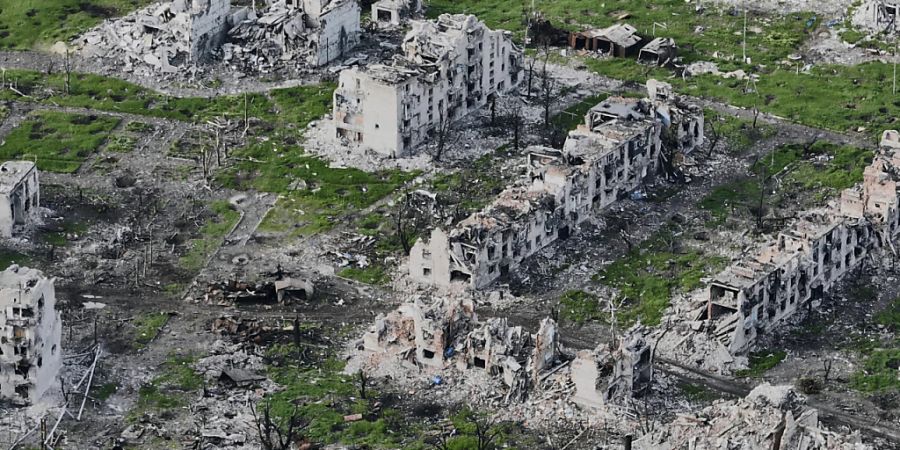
(437, 380)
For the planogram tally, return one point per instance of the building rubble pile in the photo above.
(771, 417)
(445, 334)
(283, 291)
(167, 38)
(877, 16)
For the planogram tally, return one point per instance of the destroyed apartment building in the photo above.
(450, 67)
(30, 333)
(447, 333)
(19, 195)
(609, 155)
(169, 35)
(788, 276)
(391, 13)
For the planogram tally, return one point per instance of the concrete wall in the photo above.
(338, 32)
(20, 202)
(208, 26)
(368, 111)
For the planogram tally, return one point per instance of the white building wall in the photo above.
(30, 335)
(338, 33)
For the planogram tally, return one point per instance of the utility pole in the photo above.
(744, 40)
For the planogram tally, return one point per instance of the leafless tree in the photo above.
(548, 88)
(513, 119)
(274, 436)
(445, 135)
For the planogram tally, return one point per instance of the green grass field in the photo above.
(59, 142)
(30, 24)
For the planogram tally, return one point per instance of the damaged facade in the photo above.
(30, 331)
(449, 68)
(447, 333)
(391, 13)
(611, 154)
(755, 296)
(19, 194)
(185, 32)
(623, 41)
(880, 16)
(607, 375)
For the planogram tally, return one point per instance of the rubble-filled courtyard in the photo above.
(470, 224)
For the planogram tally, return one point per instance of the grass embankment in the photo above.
(30, 24)
(58, 142)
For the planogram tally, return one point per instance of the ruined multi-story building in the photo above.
(19, 194)
(449, 68)
(754, 296)
(30, 331)
(446, 333)
(609, 155)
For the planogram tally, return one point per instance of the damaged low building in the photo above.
(447, 333)
(619, 40)
(391, 13)
(19, 195)
(449, 68)
(754, 296)
(611, 154)
(30, 332)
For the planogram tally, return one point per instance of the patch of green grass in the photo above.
(580, 307)
(739, 133)
(169, 389)
(879, 372)
(139, 127)
(120, 143)
(373, 274)
(223, 218)
(58, 142)
(111, 94)
(9, 257)
(571, 117)
(59, 238)
(147, 327)
(890, 316)
(761, 362)
(30, 24)
(770, 39)
(698, 393)
(819, 172)
(104, 391)
(647, 276)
